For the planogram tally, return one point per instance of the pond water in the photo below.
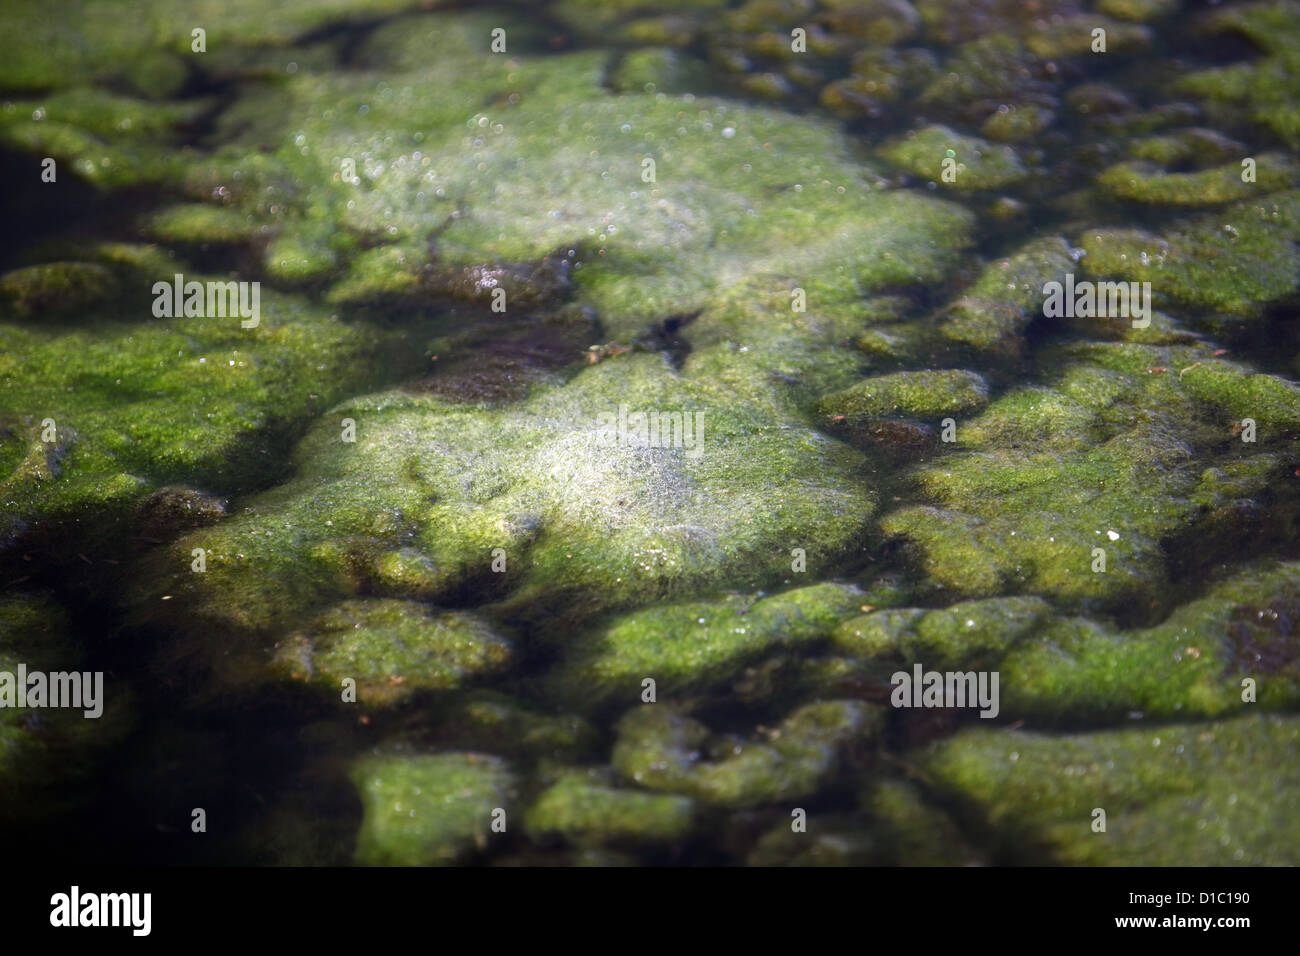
(771, 432)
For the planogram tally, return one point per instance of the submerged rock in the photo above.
(662, 750)
(579, 368)
(429, 809)
(1221, 794)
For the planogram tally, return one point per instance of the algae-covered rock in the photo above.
(659, 70)
(1070, 491)
(942, 638)
(686, 648)
(1226, 652)
(913, 831)
(1007, 296)
(428, 809)
(583, 807)
(665, 202)
(1266, 89)
(554, 503)
(1148, 183)
(940, 155)
(1237, 259)
(576, 367)
(118, 402)
(1220, 794)
(832, 840)
(392, 648)
(489, 720)
(922, 394)
(106, 139)
(54, 288)
(48, 753)
(660, 749)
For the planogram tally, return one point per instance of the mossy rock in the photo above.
(432, 494)
(1238, 259)
(940, 155)
(1205, 660)
(582, 807)
(1219, 794)
(428, 809)
(687, 648)
(390, 649)
(666, 751)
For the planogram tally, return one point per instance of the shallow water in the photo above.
(836, 261)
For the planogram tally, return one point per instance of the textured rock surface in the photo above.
(627, 408)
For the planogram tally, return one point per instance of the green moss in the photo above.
(1266, 89)
(662, 750)
(55, 288)
(922, 394)
(975, 163)
(428, 809)
(1110, 457)
(1237, 259)
(1222, 794)
(392, 649)
(1191, 665)
(195, 223)
(582, 807)
(1147, 183)
(687, 648)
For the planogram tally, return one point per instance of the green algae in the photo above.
(942, 638)
(1223, 794)
(48, 755)
(924, 394)
(583, 808)
(492, 721)
(663, 750)
(194, 223)
(428, 809)
(971, 164)
(384, 189)
(139, 403)
(658, 70)
(1193, 664)
(1007, 296)
(582, 522)
(1144, 182)
(1043, 477)
(559, 164)
(687, 648)
(55, 288)
(1266, 89)
(390, 649)
(1236, 260)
